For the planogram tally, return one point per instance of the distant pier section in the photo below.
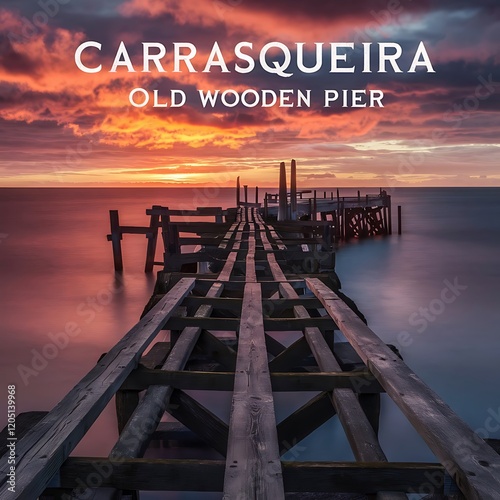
(343, 217)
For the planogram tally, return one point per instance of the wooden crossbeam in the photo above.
(42, 451)
(477, 471)
(142, 378)
(217, 350)
(200, 420)
(208, 475)
(304, 421)
(292, 356)
(253, 468)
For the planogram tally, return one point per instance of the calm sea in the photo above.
(434, 292)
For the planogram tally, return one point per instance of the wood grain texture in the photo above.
(253, 467)
(208, 475)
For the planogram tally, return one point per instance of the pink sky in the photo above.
(63, 127)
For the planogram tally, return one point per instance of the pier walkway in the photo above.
(265, 279)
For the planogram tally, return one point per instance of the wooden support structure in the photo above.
(264, 282)
(116, 240)
(293, 191)
(283, 202)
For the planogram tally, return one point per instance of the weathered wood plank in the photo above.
(253, 467)
(303, 421)
(291, 357)
(207, 475)
(231, 324)
(200, 420)
(363, 382)
(359, 432)
(217, 350)
(474, 466)
(42, 451)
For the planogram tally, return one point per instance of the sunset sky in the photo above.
(62, 127)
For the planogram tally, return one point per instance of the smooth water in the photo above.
(433, 292)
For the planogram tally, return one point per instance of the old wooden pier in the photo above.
(226, 325)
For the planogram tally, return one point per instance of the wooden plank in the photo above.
(291, 357)
(42, 451)
(201, 421)
(141, 378)
(253, 467)
(476, 471)
(135, 436)
(217, 350)
(24, 422)
(250, 274)
(218, 303)
(303, 421)
(359, 432)
(156, 356)
(207, 475)
(270, 324)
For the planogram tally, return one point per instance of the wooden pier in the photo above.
(225, 327)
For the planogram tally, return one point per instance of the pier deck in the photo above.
(228, 319)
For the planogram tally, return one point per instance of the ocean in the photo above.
(433, 292)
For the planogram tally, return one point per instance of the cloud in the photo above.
(49, 109)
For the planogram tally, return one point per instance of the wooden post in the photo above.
(245, 191)
(265, 206)
(116, 238)
(359, 197)
(315, 207)
(399, 220)
(282, 208)
(324, 195)
(237, 191)
(293, 190)
(152, 237)
(256, 194)
(389, 205)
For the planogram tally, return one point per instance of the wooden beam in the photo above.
(303, 421)
(43, 450)
(361, 436)
(283, 202)
(207, 475)
(291, 357)
(473, 465)
(217, 350)
(200, 420)
(253, 467)
(142, 378)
